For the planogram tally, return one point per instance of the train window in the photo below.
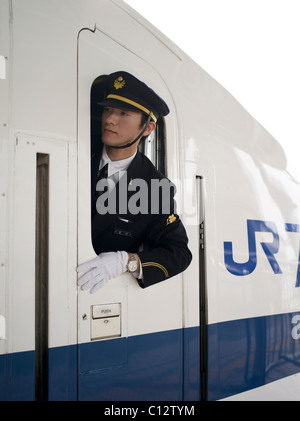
(97, 93)
(152, 146)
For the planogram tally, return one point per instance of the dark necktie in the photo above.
(101, 174)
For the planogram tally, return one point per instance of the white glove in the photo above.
(101, 269)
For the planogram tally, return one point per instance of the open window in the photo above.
(152, 146)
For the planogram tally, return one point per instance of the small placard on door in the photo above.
(106, 321)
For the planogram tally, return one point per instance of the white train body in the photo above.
(239, 205)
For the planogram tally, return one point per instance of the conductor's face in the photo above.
(120, 127)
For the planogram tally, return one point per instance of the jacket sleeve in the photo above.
(169, 254)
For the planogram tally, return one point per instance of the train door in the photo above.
(41, 323)
(130, 340)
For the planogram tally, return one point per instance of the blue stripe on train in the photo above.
(248, 353)
(242, 354)
(146, 367)
(17, 375)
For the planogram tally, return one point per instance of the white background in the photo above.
(251, 47)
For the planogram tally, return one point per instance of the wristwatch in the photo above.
(132, 264)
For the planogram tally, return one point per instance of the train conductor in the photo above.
(143, 236)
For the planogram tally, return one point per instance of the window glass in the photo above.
(153, 146)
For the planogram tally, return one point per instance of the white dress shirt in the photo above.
(114, 167)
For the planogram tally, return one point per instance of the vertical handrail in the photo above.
(41, 277)
(202, 291)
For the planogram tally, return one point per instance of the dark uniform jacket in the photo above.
(158, 238)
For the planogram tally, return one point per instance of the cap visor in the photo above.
(119, 104)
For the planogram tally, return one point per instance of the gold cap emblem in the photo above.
(119, 82)
(171, 219)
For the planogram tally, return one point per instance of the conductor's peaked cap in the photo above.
(125, 91)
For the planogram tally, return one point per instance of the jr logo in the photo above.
(270, 249)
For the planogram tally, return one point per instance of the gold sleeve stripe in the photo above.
(157, 265)
(135, 104)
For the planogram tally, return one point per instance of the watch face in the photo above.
(132, 266)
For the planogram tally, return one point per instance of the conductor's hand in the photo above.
(101, 269)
